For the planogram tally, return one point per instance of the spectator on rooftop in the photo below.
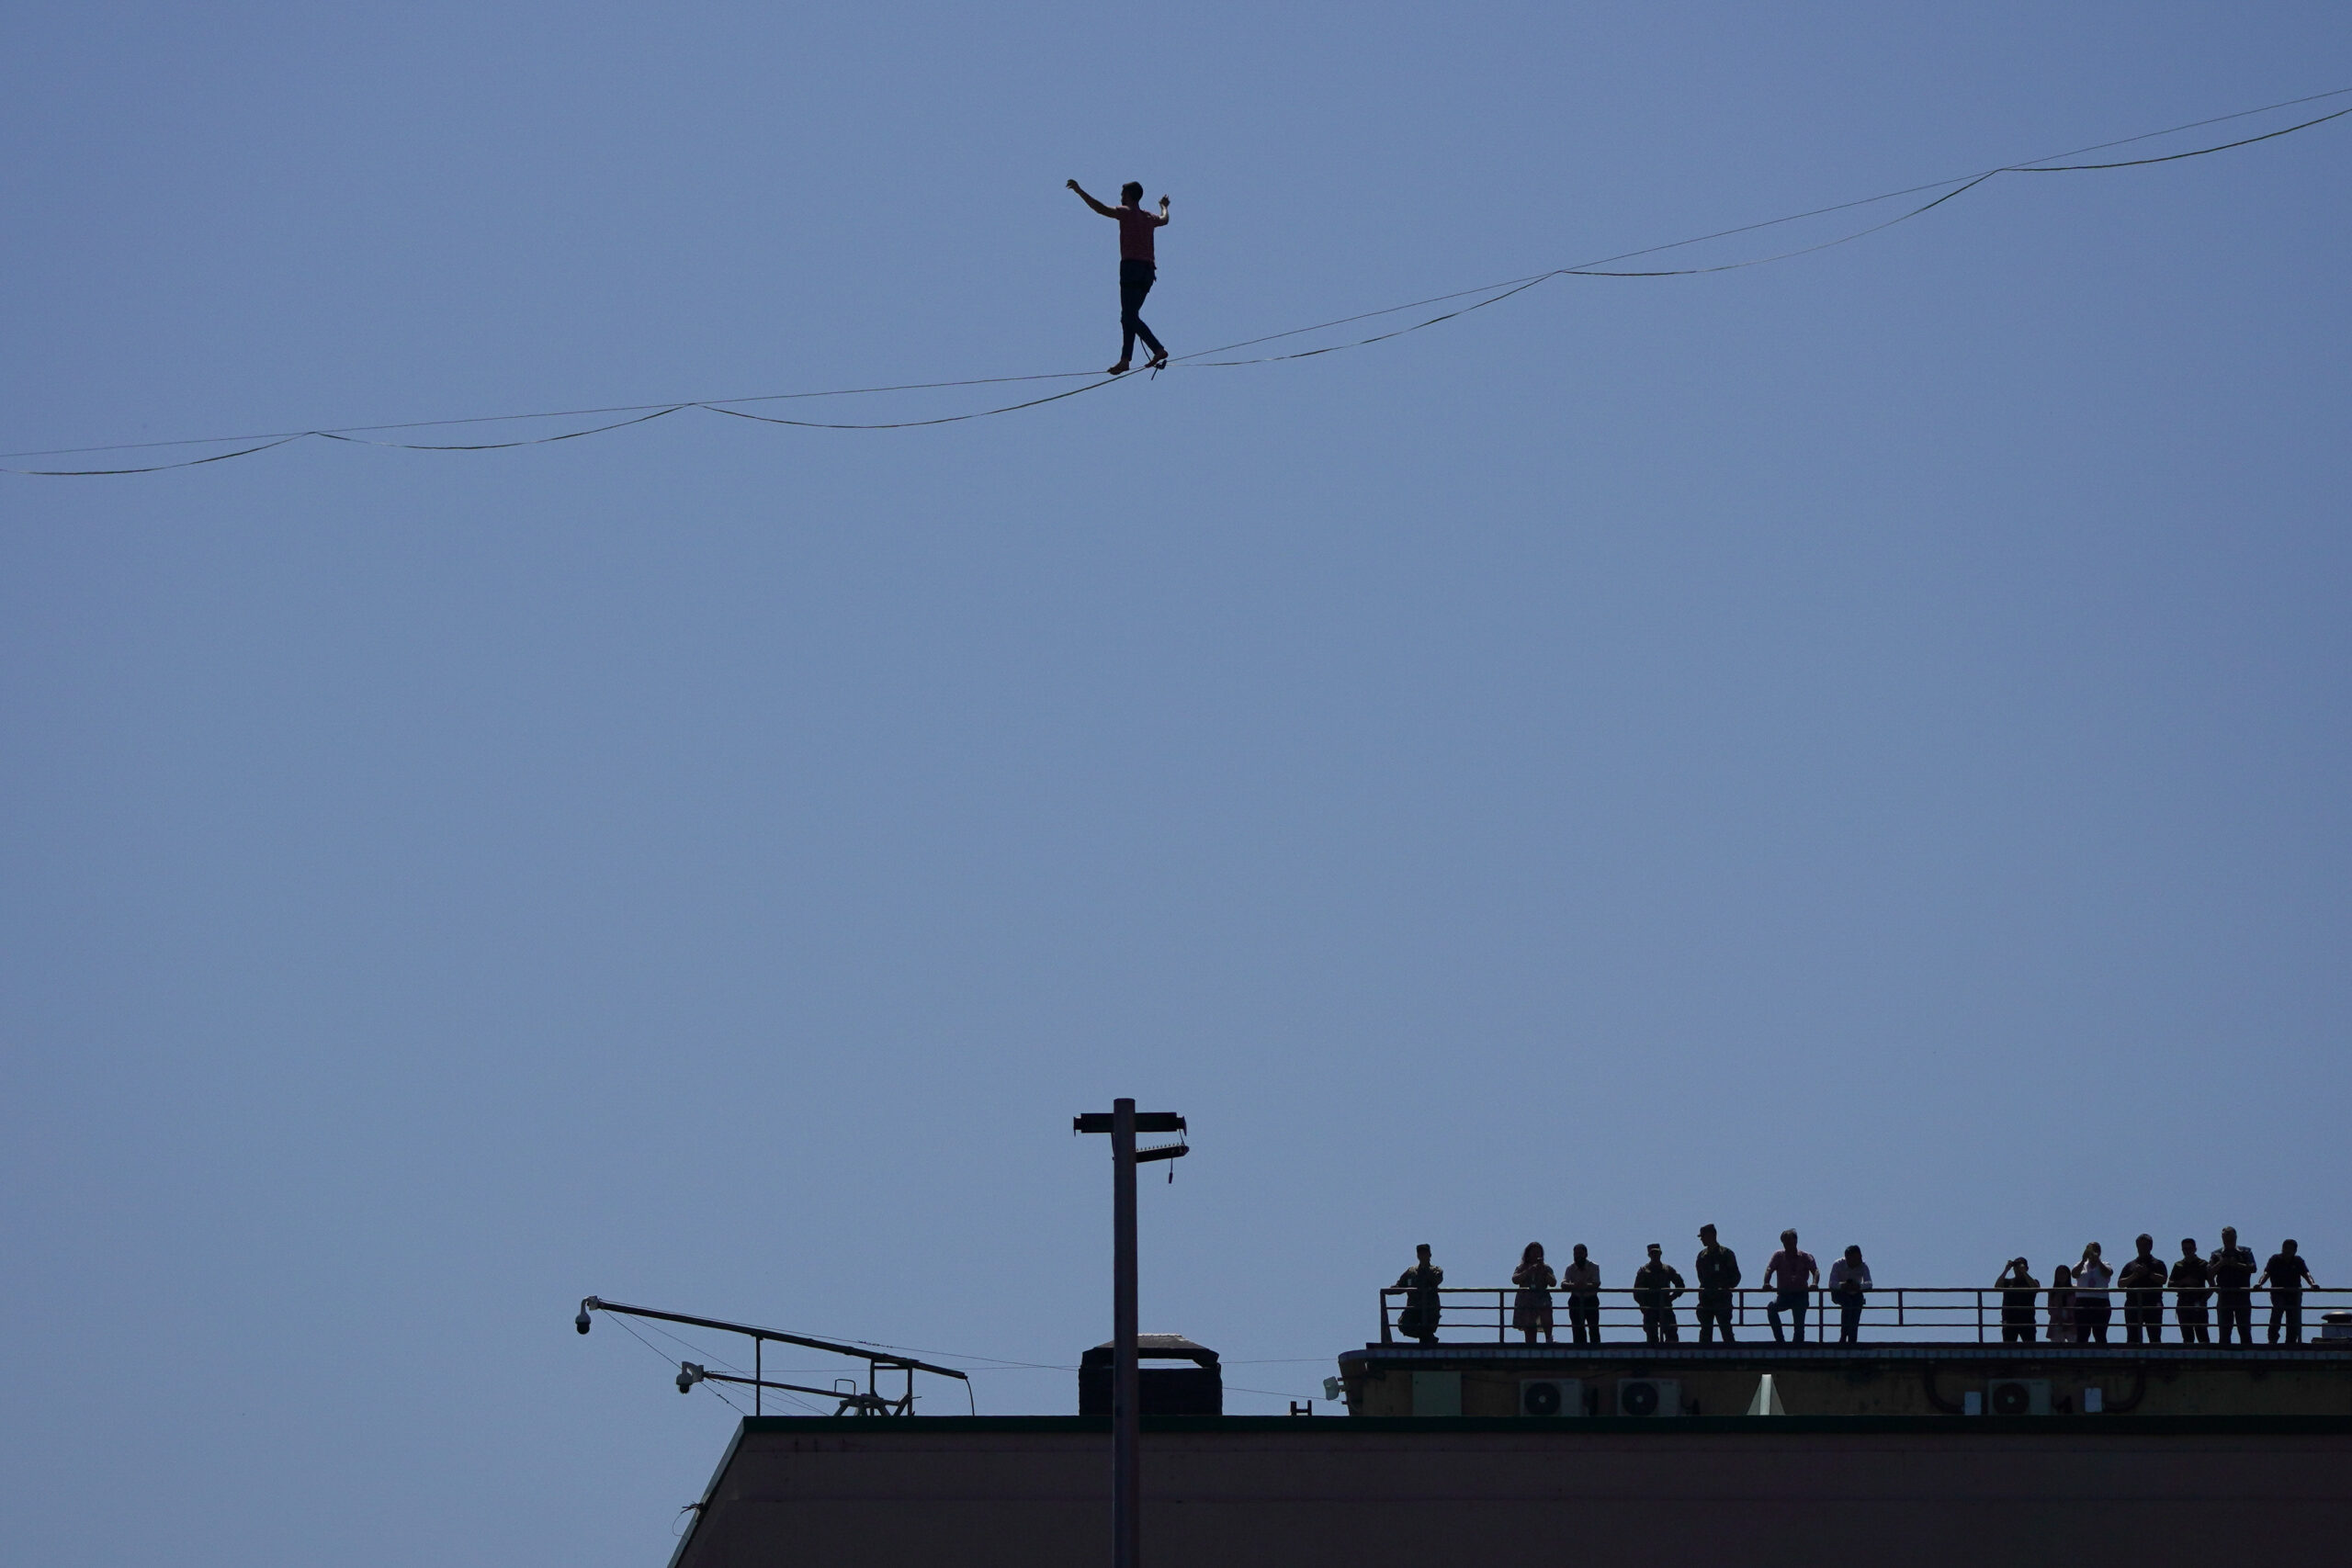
(2018, 1290)
(1850, 1282)
(1531, 1309)
(1718, 1273)
(1657, 1286)
(2094, 1308)
(2286, 1274)
(2232, 1281)
(1791, 1274)
(2143, 1294)
(1581, 1280)
(2190, 1277)
(1418, 1320)
(2062, 1306)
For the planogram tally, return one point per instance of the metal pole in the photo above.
(757, 1373)
(1127, 1384)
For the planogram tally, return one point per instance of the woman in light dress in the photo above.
(2062, 1306)
(1531, 1309)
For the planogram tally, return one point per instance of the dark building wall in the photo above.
(1240, 1492)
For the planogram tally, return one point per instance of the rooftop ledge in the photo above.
(1747, 1350)
(1320, 1428)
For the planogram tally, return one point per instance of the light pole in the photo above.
(1126, 1384)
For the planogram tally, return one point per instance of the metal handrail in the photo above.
(1932, 1312)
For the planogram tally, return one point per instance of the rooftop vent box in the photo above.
(1197, 1389)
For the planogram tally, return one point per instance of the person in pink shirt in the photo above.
(1137, 268)
(1793, 1274)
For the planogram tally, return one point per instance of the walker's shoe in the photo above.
(1121, 369)
(1158, 361)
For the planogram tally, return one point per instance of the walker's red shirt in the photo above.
(1135, 226)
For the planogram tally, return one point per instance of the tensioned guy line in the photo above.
(1462, 301)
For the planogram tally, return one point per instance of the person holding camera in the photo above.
(2233, 1268)
(1531, 1309)
(2094, 1308)
(1850, 1283)
(2019, 1290)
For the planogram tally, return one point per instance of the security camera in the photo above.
(581, 1323)
(688, 1375)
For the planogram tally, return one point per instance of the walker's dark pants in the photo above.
(2017, 1325)
(1135, 282)
(2287, 1308)
(1794, 1300)
(1849, 1321)
(2136, 1318)
(1658, 1325)
(1713, 1312)
(2193, 1330)
(2091, 1320)
(2237, 1307)
(1584, 1320)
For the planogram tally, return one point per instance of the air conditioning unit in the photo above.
(1551, 1396)
(2016, 1396)
(1649, 1396)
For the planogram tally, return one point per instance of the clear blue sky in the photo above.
(1857, 743)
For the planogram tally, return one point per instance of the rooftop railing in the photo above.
(1912, 1314)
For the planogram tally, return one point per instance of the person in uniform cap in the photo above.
(1718, 1273)
(1657, 1286)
